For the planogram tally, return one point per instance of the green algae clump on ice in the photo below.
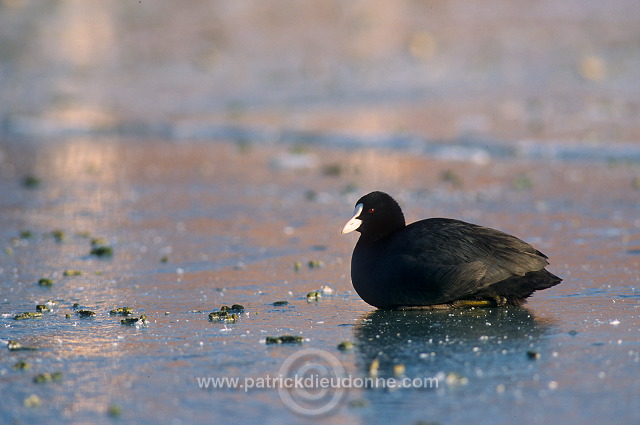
(122, 311)
(46, 377)
(223, 316)
(235, 308)
(314, 295)
(28, 315)
(135, 321)
(345, 346)
(22, 365)
(16, 346)
(100, 248)
(46, 282)
(284, 339)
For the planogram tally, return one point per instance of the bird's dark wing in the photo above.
(458, 259)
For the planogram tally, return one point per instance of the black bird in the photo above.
(439, 262)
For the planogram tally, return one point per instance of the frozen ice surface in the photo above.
(195, 226)
(218, 148)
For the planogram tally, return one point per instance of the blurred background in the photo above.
(505, 70)
(219, 146)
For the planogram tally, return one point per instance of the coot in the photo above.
(439, 262)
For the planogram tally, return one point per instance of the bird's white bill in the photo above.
(354, 222)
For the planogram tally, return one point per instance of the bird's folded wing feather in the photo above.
(475, 257)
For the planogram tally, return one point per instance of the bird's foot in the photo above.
(424, 307)
(497, 301)
(472, 303)
(452, 305)
(500, 300)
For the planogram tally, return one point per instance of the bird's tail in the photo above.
(517, 289)
(544, 279)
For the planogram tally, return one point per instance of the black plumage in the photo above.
(439, 262)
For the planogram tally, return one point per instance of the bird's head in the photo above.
(376, 215)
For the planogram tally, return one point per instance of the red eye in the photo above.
(371, 210)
